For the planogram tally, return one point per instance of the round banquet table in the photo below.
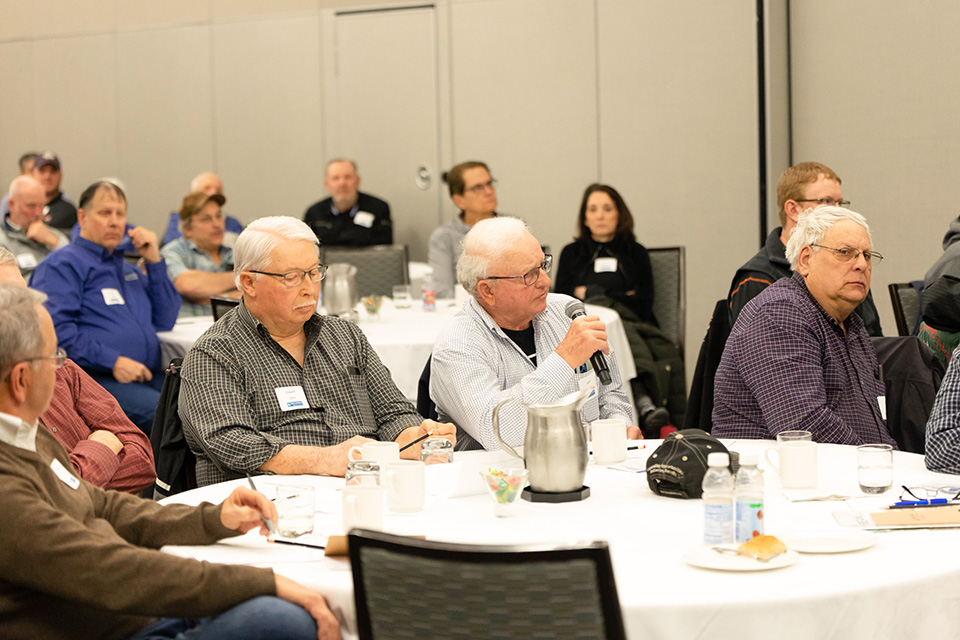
(904, 586)
(403, 339)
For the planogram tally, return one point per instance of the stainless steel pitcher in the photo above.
(555, 445)
(340, 291)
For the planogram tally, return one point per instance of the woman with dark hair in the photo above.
(606, 260)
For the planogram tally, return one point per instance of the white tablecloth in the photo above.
(403, 338)
(905, 586)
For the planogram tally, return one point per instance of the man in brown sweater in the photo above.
(80, 562)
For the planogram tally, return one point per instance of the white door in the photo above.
(382, 111)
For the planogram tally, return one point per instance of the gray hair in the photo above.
(336, 160)
(814, 224)
(255, 244)
(17, 185)
(20, 336)
(484, 243)
(195, 183)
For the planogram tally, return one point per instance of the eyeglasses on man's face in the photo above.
(295, 278)
(483, 186)
(530, 276)
(846, 254)
(58, 358)
(830, 202)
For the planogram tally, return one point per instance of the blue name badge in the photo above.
(291, 398)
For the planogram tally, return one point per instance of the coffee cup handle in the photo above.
(775, 465)
(358, 450)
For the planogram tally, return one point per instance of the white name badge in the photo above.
(65, 476)
(26, 261)
(363, 218)
(605, 265)
(589, 381)
(111, 296)
(882, 401)
(291, 398)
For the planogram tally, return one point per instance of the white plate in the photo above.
(831, 541)
(707, 558)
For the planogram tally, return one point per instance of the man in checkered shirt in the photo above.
(513, 340)
(275, 387)
(798, 356)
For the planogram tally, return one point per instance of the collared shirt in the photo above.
(17, 433)
(446, 245)
(475, 365)
(366, 223)
(787, 365)
(236, 376)
(184, 255)
(29, 253)
(103, 307)
(79, 406)
(943, 426)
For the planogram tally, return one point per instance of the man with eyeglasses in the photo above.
(798, 356)
(801, 187)
(107, 311)
(199, 264)
(513, 339)
(275, 387)
(474, 192)
(80, 561)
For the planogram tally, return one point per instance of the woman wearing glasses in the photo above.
(607, 266)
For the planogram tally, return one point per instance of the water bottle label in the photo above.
(749, 519)
(718, 523)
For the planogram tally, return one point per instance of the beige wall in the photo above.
(657, 98)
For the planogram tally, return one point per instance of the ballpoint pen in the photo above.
(271, 525)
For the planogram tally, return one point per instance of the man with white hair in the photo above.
(22, 229)
(512, 339)
(798, 356)
(273, 386)
(83, 562)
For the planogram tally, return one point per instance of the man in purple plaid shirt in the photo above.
(798, 356)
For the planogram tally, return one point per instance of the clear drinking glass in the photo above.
(875, 467)
(365, 472)
(436, 451)
(295, 506)
(505, 487)
(401, 296)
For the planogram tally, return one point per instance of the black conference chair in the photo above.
(379, 267)
(409, 588)
(905, 298)
(174, 461)
(669, 292)
(222, 305)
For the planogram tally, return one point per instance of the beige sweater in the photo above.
(84, 562)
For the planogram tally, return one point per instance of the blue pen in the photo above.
(908, 504)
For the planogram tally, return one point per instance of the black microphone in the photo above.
(574, 310)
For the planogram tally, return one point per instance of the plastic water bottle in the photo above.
(749, 498)
(718, 494)
(428, 292)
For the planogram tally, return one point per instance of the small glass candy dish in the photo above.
(505, 487)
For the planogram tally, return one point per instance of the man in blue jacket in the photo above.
(107, 311)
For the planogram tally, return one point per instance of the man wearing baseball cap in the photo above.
(198, 263)
(59, 212)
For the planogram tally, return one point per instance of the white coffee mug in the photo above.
(609, 441)
(376, 451)
(362, 507)
(405, 483)
(797, 457)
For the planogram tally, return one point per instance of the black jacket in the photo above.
(342, 230)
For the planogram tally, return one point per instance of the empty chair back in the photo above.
(409, 588)
(379, 267)
(905, 298)
(669, 292)
(222, 305)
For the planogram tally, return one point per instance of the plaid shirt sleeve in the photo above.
(943, 427)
